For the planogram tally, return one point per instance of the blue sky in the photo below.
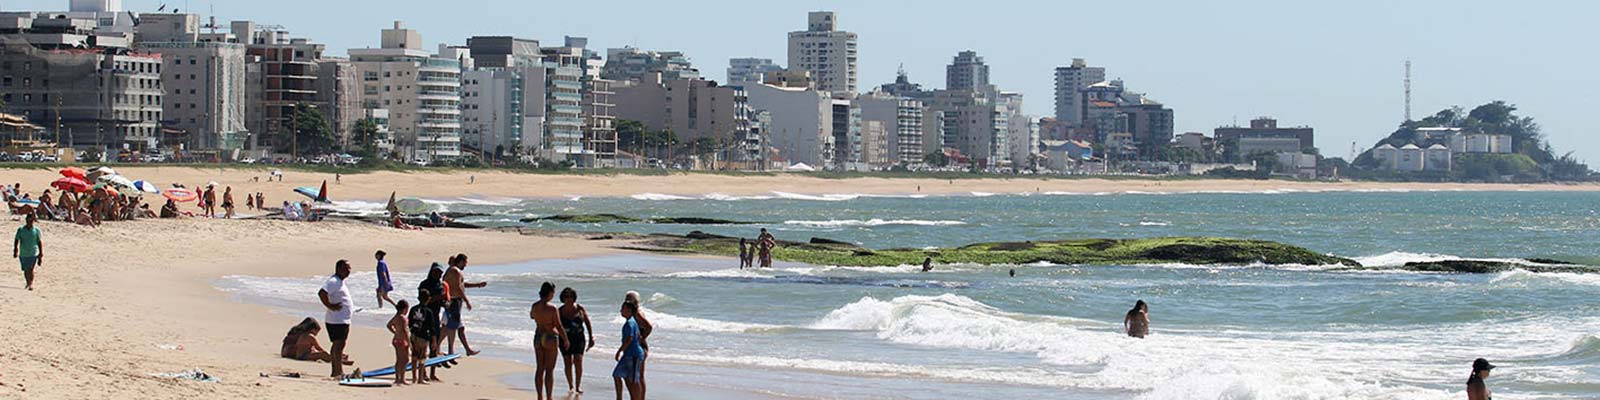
(1336, 66)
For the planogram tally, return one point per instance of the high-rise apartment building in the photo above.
(204, 78)
(420, 90)
(902, 121)
(1070, 82)
(827, 53)
(800, 129)
(281, 74)
(966, 71)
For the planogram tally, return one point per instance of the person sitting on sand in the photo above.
(548, 337)
(1476, 389)
(145, 211)
(83, 217)
(1137, 322)
(301, 343)
(398, 223)
(169, 210)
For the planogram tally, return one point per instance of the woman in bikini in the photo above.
(548, 337)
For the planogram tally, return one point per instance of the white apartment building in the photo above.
(902, 120)
(421, 92)
(801, 126)
(1022, 130)
(825, 52)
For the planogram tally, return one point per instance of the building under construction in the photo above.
(85, 85)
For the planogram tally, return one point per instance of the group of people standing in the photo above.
(419, 331)
(566, 331)
(761, 249)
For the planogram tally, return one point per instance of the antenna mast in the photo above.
(1408, 90)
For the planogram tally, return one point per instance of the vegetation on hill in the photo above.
(1531, 159)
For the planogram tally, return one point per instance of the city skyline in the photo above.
(1215, 64)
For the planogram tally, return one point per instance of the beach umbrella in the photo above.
(120, 181)
(413, 206)
(180, 195)
(146, 187)
(74, 172)
(211, 184)
(97, 172)
(69, 184)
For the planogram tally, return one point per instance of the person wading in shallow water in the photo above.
(1476, 390)
(1137, 322)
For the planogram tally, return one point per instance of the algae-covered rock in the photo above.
(1192, 250)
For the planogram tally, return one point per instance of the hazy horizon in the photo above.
(1337, 67)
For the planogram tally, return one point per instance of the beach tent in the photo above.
(413, 206)
(800, 167)
(318, 195)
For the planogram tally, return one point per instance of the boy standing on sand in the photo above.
(28, 248)
(336, 298)
(385, 284)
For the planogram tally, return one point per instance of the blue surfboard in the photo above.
(431, 362)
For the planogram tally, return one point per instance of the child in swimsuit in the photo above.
(631, 355)
(398, 326)
(385, 284)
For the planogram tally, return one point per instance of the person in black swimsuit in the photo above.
(1476, 390)
(575, 322)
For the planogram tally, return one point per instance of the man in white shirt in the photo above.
(336, 298)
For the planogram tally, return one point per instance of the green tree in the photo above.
(365, 135)
(312, 135)
(660, 142)
(937, 159)
(630, 135)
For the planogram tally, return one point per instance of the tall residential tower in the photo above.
(825, 52)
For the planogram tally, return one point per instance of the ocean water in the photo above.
(1052, 331)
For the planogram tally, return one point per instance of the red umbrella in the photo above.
(180, 195)
(70, 184)
(74, 172)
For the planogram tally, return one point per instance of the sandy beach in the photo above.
(378, 185)
(112, 303)
(121, 302)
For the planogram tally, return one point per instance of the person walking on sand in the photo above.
(548, 337)
(575, 322)
(764, 244)
(1137, 322)
(385, 283)
(630, 357)
(455, 279)
(336, 298)
(1476, 389)
(28, 248)
(227, 202)
(208, 202)
(398, 327)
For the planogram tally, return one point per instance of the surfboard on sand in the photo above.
(364, 382)
(431, 362)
